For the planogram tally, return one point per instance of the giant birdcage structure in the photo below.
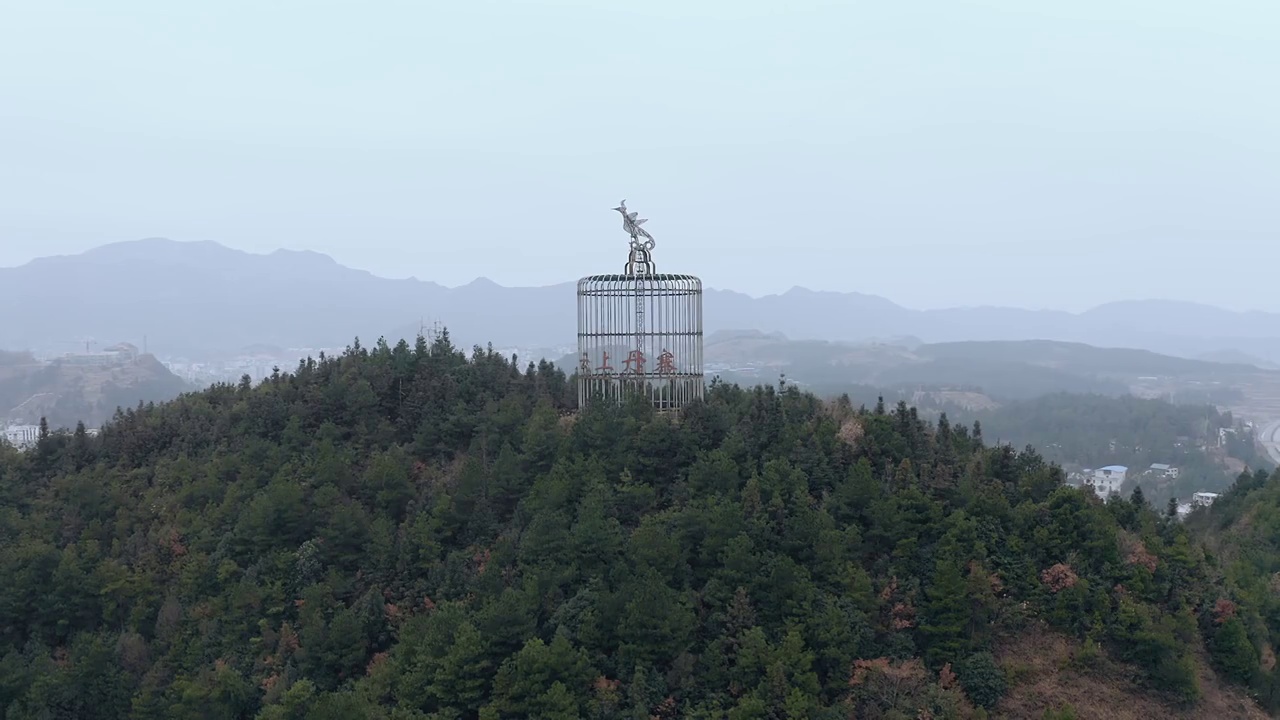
(640, 331)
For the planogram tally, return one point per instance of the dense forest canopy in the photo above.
(410, 532)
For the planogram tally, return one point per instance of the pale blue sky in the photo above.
(1040, 154)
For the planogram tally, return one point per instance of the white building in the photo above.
(1163, 470)
(125, 352)
(1203, 499)
(93, 359)
(22, 436)
(1106, 480)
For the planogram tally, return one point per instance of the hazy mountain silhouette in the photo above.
(201, 298)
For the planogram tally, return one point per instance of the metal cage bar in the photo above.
(640, 332)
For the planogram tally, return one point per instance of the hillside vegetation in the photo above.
(410, 532)
(1092, 431)
(1242, 531)
(1081, 358)
(1004, 370)
(64, 394)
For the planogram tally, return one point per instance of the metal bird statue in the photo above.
(631, 223)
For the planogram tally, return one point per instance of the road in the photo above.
(17, 411)
(1270, 439)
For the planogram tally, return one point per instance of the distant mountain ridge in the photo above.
(201, 297)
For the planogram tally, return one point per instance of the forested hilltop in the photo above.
(412, 532)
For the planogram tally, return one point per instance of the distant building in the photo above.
(1203, 499)
(125, 352)
(95, 359)
(118, 354)
(1165, 471)
(22, 436)
(1106, 480)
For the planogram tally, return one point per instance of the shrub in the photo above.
(982, 679)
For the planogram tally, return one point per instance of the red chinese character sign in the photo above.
(666, 363)
(605, 368)
(635, 362)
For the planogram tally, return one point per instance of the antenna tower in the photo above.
(432, 333)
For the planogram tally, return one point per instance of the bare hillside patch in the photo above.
(1049, 671)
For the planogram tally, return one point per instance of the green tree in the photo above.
(1232, 651)
(982, 678)
(946, 614)
(543, 678)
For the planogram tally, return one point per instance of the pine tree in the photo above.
(1137, 499)
(946, 612)
(509, 482)
(462, 677)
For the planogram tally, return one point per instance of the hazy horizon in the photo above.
(935, 154)
(566, 281)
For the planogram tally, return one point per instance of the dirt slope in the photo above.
(1047, 671)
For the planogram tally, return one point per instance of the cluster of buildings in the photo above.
(1110, 479)
(113, 356)
(208, 373)
(116, 355)
(258, 366)
(25, 437)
